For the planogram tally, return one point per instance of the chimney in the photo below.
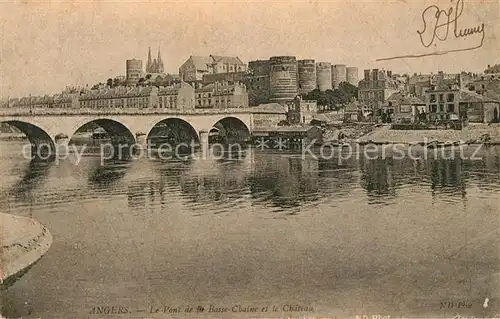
(367, 75)
(440, 78)
(389, 74)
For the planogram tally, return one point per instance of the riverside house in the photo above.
(442, 103)
(406, 108)
(480, 108)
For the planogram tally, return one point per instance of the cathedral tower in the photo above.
(154, 65)
(149, 64)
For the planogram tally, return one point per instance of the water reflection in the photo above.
(447, 176)
(377, 178)
(33, 176)
(103, 175)
(214, 216)
(284, 181)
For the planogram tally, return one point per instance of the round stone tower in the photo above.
(133, 71)
(283, 78)
(307, 76)
(324, 75)
(352, 75)
(339, 75)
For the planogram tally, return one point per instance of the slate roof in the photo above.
(270, 108)
(400, 97)
(227, 59)
(472, 97)
(201, 62)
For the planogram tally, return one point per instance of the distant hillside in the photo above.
(493, 69)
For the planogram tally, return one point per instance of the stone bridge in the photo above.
(54, 126)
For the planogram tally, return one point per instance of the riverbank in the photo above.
(350, 131)
(472, 134)
(23, 242)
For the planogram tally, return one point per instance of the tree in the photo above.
(140, 82)
(331, 98)
(116, 82)
(96, 86)
(349, 91)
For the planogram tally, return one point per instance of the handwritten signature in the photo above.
(434, 29)
(435, 26)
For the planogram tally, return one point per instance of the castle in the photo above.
(154, 65)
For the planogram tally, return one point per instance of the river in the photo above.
(269, 231)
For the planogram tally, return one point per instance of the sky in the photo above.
(47, 45)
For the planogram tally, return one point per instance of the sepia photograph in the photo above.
(319, 159)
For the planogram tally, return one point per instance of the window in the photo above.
(441, 107)
(433, 108)
(451, 97)
(451, 108)
(432, 98)
(441, 97)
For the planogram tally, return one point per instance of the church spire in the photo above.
(159, 62)
(150, 61)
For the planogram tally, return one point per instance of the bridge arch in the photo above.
(173, 131)
(42, 144)
(118, 133)
(231, 129)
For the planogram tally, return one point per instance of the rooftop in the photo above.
(472, 97)
(285, 129)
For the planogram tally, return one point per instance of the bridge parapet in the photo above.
(122, 111)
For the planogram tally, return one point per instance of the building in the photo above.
(419, 83)
(120, 97)
(479, 108)
(62, 100)
(352, 111)
(196, 66)
(375, 87)
(405, 107)
(231, 77)
(221, 95)
(154, 65)
(269, 115)
(301, 111)
(485, 82)
(442, 102)
(180, 96)
(257, 82)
